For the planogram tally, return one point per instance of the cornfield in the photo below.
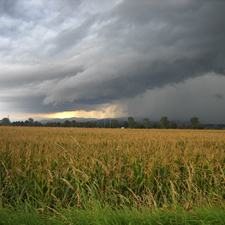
(50, 168)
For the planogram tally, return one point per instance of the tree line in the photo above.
(164, 123)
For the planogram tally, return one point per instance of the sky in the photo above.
(112, 58)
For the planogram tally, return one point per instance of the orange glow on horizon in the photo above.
(80, 113)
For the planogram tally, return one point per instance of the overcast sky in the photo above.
(113, 58)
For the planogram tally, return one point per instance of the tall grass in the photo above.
(51, 168)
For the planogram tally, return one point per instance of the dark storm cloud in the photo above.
(218, 96)
(76, 53)
(32, 104)
(170, 42)
(181, 101)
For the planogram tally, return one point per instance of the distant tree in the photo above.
(125, 124)
(164, 122)
(173, 125)
(139, 125)
(115, 123)
(195, 123)
(31, 121)
(67, 123)
(5, 121)
(37, 124)
(131, 122)
(146, 123)
(73, 123)
(26, 123)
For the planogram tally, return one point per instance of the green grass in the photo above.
(8, 217)
(107, 216)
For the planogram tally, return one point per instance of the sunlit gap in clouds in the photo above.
(109, 111)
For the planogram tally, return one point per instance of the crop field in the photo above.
(54, 171)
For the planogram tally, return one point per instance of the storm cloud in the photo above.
(67, 55)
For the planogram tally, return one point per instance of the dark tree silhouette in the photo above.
(195, 123)
(115, 123)
(5, 121)
(131, 122)
(146, 123)
(164, 122)
(31, 121)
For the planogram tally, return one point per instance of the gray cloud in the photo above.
(74, 54)
(219, 96)
(194, 97)
(9, 7)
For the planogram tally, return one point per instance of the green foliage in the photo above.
(115, 123)
(195, 123)
(146, 123)
(5, 121)
(131, 122)
(164, 122)
(107, 216)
